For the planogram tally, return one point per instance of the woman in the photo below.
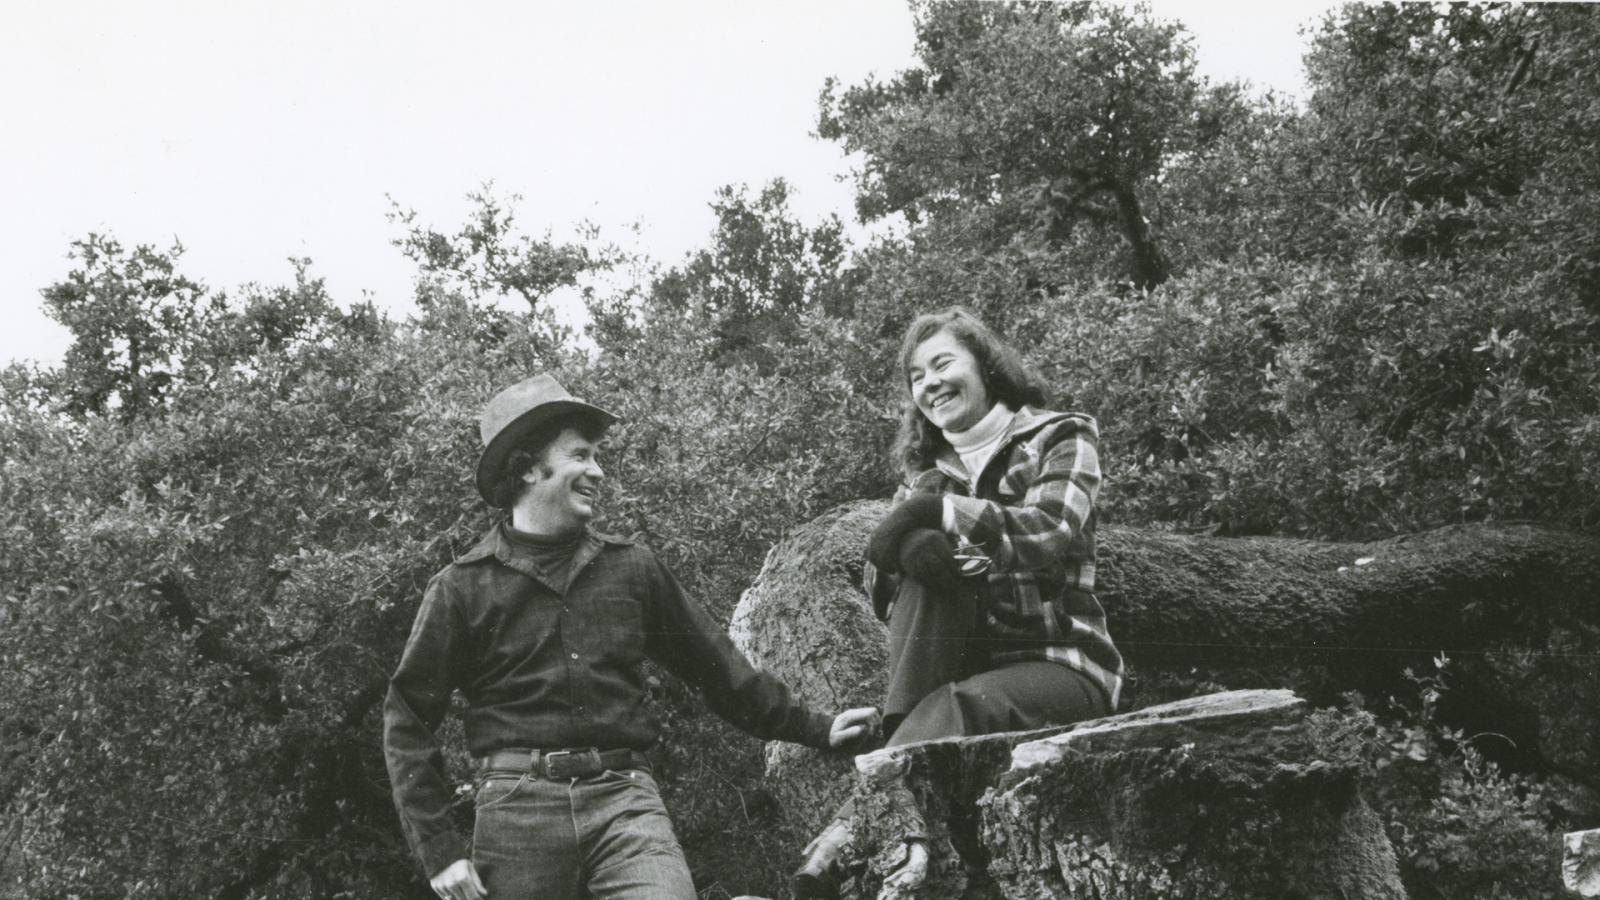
(984, 567)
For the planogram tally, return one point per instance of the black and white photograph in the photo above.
(897, 449)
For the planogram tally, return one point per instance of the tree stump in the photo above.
(1241, 795)
(1238, 795)
(1580, 862)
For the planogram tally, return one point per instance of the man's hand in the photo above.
(915, 511)
(459, 881)
(853, 724)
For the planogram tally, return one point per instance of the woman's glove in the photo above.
(916, 511)
(925, 554)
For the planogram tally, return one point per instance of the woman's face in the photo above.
(946, 384)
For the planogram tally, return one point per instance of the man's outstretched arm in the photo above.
(686, 640)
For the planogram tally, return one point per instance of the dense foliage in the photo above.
(1372, 314)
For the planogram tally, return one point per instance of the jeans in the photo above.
(936, 687)
(603, 837)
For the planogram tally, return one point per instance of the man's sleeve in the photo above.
(684, 638)
(419, 695)
(1063, 482)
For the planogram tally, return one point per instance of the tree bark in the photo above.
(806, 620)
(1149, 265)
(1229, 795)
(1515, 607)
(1242, 794)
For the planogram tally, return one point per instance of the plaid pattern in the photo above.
(1031, 512)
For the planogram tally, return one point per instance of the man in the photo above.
(543, 627)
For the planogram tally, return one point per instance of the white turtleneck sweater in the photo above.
(977, 445)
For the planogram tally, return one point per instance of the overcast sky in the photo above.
(256, 131)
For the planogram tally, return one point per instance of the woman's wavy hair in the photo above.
(1006, 375)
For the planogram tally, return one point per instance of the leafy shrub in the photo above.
(1462, 826)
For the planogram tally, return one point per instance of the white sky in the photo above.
(257, 130)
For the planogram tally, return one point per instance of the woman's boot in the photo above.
(819, 877)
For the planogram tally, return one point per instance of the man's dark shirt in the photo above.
(546, 668)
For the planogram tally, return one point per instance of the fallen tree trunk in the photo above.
(1516, 606)
(1182, 599)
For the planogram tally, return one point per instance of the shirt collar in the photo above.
(495, 544)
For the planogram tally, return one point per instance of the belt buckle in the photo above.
(554, 762)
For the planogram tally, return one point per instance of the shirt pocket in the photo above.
(618, 631)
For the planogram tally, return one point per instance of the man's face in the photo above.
(563, 487)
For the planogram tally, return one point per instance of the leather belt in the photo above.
(580, 762)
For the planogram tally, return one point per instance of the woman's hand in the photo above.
(926, 555)
(916, 511)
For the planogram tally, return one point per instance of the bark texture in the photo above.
(1516, 607)
(807, 620)
(1580, 862)
(1240, 794)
